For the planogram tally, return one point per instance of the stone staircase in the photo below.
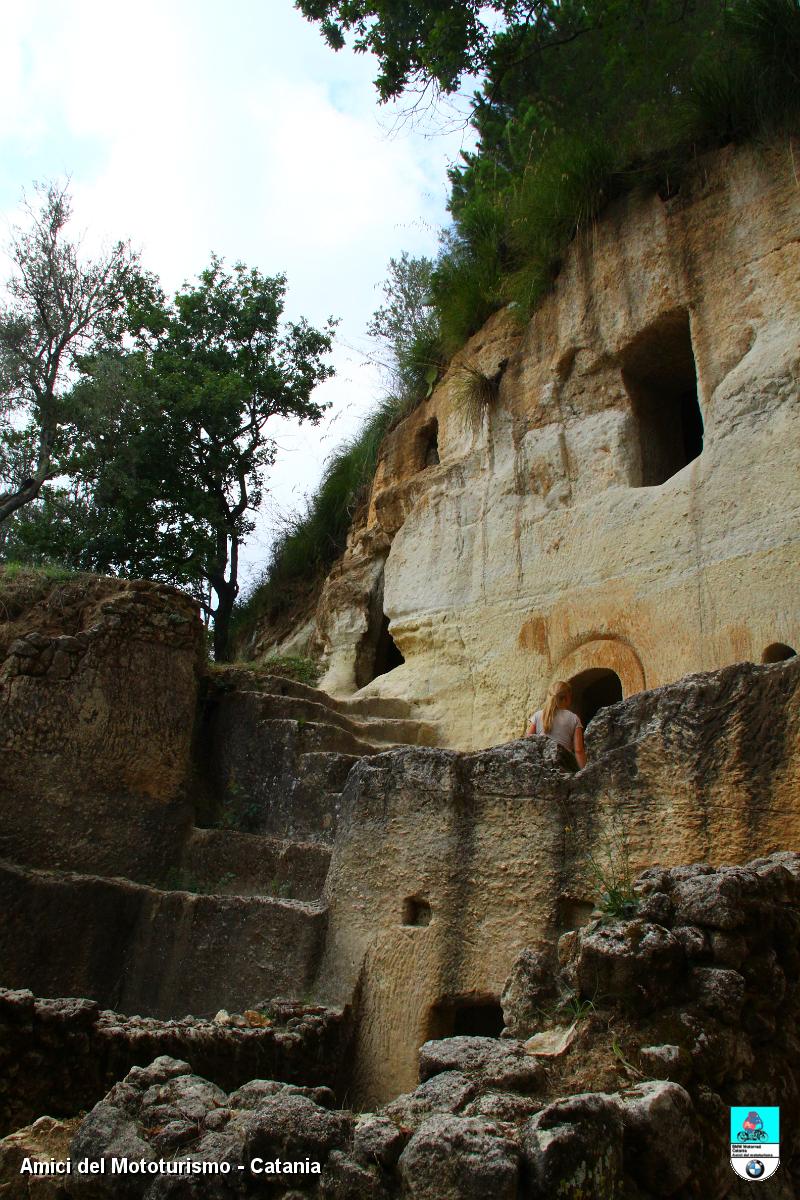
(277, 755)
(236, 914)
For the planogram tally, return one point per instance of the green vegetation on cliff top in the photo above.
(581, 102)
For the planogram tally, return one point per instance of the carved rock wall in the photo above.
(578, 529)
(98, 691)
(447, 865)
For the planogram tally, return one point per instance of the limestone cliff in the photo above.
(180, 838)
(627, 511)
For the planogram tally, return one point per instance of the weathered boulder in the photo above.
(377, 1139)
(165, 1114)
(574, 1148)
(446, 1092)
(348, 1179)
(465, 1157)
(529, 989)
(634, 962)
(288, 1126)
(502, 1064)
(42, 1141)
(660, 1142)
(719, 990)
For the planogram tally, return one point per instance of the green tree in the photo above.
(170, 445)
(58, 307)
(180, 468)
(406, 327)
(422, 43)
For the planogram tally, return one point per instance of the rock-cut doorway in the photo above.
(594, 689)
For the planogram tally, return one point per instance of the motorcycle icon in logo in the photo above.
(752, 1129)
(755, 1141)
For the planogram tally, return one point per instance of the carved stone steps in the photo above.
(227, 862)
(152, 951)
(245, 679)
(378, 731)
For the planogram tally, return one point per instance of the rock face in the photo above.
(165, 830)
(490, 1118)
(580, 528)
(98, 689)
(176, 839)
(510, 848)
(325, 862)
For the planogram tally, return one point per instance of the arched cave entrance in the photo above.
(778, 652)
(466, 1016)
(428, 445)
(594, 689)
(660, 377)
(377, 653)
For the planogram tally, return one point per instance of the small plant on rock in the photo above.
(474, 393)
(609, 867)
(575, 1009)
(612, 871)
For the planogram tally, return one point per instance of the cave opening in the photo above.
(466, 1016)
(660, 377)
(428, 445)
(416, 911)
(387, 655)
(377, 652)
(778, 652)
(594, 689)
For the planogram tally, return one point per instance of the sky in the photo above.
(192, 127)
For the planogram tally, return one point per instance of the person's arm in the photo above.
(531, 730)
(579, 747)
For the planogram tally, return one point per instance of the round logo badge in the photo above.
(755, 1168)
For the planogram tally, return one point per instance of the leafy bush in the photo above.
(619, 106)
(753, 86)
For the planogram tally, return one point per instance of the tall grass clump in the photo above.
(560, 194)
(466, 284)
(474, 393)
(752, 86)
(312, 540)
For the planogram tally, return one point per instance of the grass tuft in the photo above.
(474, 393)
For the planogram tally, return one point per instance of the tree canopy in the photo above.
(169, 446)
(59, 306)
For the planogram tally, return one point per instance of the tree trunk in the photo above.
(226, 594)
(29, 489)
(227, 591)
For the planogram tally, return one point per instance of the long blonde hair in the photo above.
(559, 695)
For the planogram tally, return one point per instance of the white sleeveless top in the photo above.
(563, 728)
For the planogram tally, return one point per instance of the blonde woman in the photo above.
(556, 721)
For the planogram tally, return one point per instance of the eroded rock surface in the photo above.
(505, 850)
(636, 1107)
(575, 530)
(98, 690)
(60, 1056)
